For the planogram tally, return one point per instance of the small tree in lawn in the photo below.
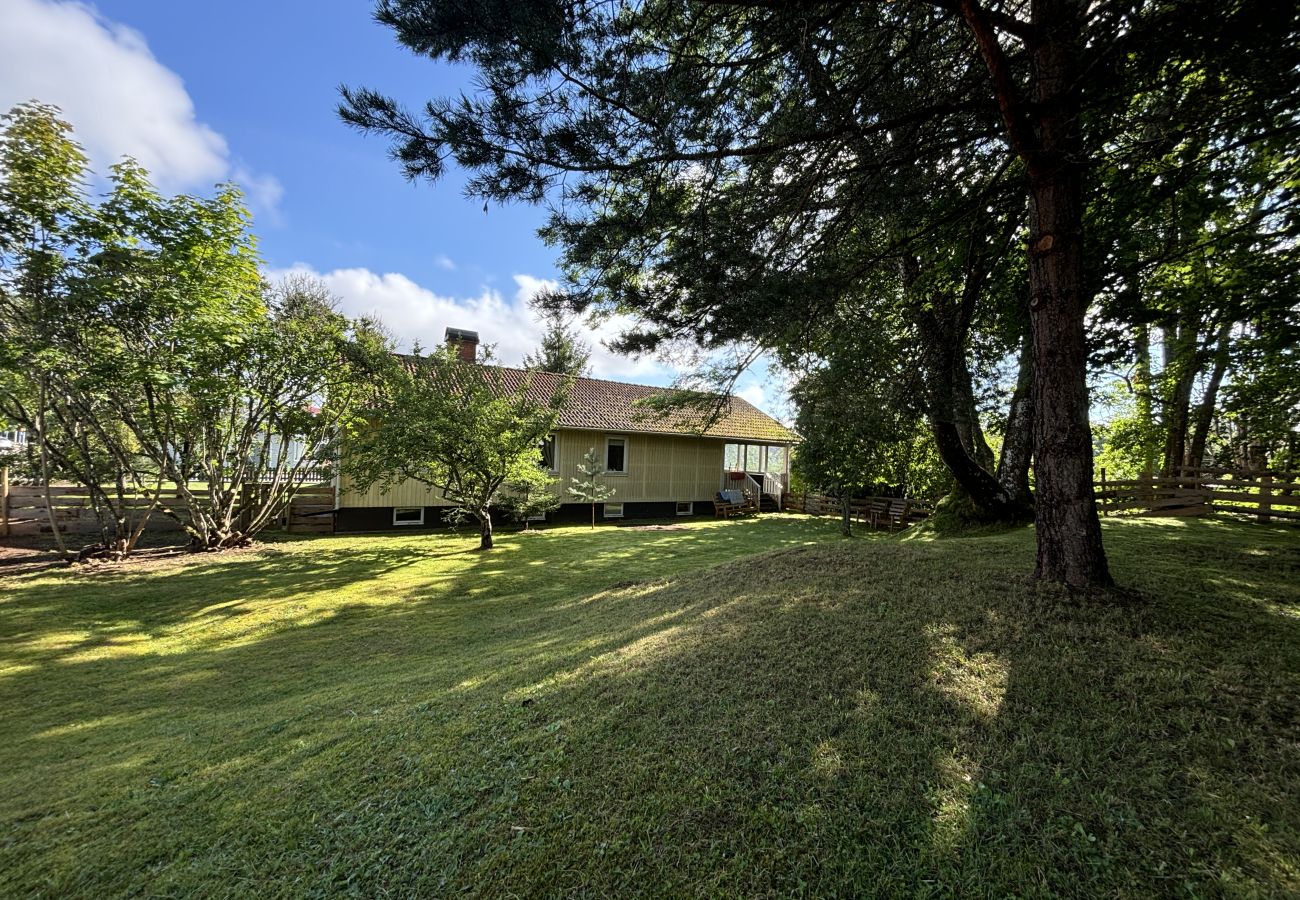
(587, 488)
(456, 427)
(524, 501)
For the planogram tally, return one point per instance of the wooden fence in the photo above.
(1259, 496)
(859, 507)
(23, 509)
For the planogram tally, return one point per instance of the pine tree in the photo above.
(587, 488)
(561, 351)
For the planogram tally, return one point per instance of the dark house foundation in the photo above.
(380, 518)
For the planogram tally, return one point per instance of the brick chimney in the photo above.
(465, 342)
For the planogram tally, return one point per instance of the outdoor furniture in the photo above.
(877, 512)
(897, 513)
(724, 509)
(732, 503)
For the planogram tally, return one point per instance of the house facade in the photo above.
(658, 467)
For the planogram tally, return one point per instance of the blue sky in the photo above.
(205, 92)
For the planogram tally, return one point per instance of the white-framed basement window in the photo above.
(616, 456)
(613, 510)
(685, 508)
(408, 515)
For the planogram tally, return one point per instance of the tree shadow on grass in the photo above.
(839, 719)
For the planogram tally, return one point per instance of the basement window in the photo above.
(685, 508)
(408, 515)
(613, 510)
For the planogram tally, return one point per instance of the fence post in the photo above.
(4, 500)
(1103, 491)
(1265, 498)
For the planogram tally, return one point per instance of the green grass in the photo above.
(738, 708)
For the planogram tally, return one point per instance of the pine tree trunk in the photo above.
(1018, 441)
(1070, 548)
(1142, 392)
(1180, 362)
(966, 413)
(1209, 400)
(989, 498)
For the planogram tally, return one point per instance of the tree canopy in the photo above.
(458, 428)
(738, 172)
(143, 351)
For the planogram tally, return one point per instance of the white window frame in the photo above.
(608, 440)
(605, 513)
(400, 509)
(690, 507)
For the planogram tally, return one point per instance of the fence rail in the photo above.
(1261, 496)
(24, 510)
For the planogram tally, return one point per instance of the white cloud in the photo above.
(754, 393)
(413, 313)
(443, 261)
(119, 98)
(416, 314)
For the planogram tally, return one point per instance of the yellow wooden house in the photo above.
(658, 467)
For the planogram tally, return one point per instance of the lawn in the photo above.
(733, 708)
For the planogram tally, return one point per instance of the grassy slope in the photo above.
(394, 714)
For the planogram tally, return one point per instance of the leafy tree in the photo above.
(143, 350)
(845, 451)
(456, 427)
(588, 488)
(729, 172)
(561, 351)
(45, 225)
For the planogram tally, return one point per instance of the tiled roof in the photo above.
(612, 406)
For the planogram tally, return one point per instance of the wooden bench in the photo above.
(724, 509)
(731, 503)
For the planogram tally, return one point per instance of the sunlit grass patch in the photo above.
(738, 708)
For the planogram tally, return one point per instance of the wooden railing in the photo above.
(753, 483)
(1260, 496)
(774, 488)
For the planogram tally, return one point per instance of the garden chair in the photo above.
(878, 512)
(897, 514)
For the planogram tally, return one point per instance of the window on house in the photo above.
(547, 447)
(408, 515)
(613, 510)
(616, 456)
(685, 508)
(731, 457)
